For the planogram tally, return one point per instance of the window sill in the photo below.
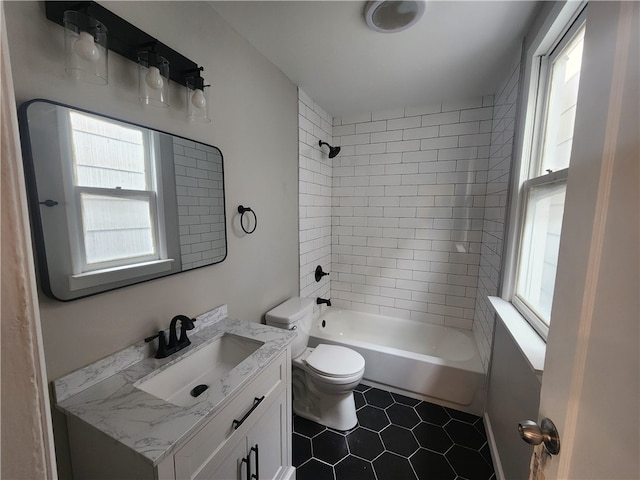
(117, 274)
(532, 346)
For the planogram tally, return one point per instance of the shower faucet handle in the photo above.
(319, 273)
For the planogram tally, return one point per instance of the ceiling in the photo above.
(458, 50)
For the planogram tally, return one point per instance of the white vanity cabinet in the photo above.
(251, 435)
(248, 438)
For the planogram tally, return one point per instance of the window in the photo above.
(543, 186)
(113, 189)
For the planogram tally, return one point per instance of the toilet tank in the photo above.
(296, 313)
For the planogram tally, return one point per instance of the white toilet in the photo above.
(323, 377)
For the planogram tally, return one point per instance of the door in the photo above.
(591, 381)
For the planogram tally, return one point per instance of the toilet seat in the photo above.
(333, 361)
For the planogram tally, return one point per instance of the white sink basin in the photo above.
(199, 370)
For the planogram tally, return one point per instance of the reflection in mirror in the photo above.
(113, 204)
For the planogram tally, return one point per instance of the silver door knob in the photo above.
(545, 433)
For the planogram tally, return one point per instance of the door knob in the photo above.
(545, 433)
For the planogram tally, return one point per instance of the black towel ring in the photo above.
(242, 210)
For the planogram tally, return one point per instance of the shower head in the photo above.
(333, 151)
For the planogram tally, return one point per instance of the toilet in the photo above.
(324, 377)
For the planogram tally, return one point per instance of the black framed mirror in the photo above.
(114, 203)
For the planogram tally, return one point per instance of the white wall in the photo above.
(254, 110)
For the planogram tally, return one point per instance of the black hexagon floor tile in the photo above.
(315, 470)
(399, 440)
(468, 463)
(432, 413)
(352, 468)
(301, 449)
(330, 447)
(465, 434)
(378, 398)
(372, 417)
(390, 466)
(429, 464)
(412, 402)
(402, 415)
(306, 427)
(432, 437)
(462, 416)
(365, 443)
(439, 443)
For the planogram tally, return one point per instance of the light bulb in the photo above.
(197, 99)
(86, 48)
(154, 79)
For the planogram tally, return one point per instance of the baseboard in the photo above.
(493, 448)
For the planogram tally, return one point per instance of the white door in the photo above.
(591, 381)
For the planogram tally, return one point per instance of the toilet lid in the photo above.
(335, 361)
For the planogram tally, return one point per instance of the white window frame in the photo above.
(84, 275)
(559, 28)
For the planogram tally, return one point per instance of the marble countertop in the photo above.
(104, 395)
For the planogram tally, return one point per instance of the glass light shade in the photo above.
(86, 51)
(153, 79)
(197, 100)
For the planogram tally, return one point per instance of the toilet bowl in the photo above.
(324, 377)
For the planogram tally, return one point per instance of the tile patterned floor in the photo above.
(397, 438)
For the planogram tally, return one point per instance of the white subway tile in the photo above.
(368, 127)
(423, 110)
(422, 156)
(403, 146)
(383, 137)
(358, 139)
(403, 123)
(388, 114)
(420, 133)
(439, 142)
(462, 104)
(485, 113)
(371, 148)
(440, 118)
(466, 128)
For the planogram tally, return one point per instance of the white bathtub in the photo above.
(433, 362)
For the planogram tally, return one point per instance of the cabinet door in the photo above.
(270, 435)
(231, 467)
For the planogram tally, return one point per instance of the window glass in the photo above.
(561, 108)
(116, 228)
(540, 244)
(115, 193)
(107, 155)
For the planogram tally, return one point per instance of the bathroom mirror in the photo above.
(113, 204)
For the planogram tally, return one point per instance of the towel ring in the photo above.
(242, 210)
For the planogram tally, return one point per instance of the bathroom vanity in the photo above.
(131, 416)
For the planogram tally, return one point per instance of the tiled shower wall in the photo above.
(315, 170)
(495, 210)
(408, 207)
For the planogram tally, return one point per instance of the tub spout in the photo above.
(326, 301)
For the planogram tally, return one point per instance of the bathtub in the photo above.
(432, 362)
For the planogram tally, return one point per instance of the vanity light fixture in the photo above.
(197, 97)
(85, 44)
(153, 78)
(387, 16)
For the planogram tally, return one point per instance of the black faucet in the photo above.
(175, 344)
(326, 301)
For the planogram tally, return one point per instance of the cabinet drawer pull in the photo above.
(256, 402)
(257, 474)
(247, 460)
